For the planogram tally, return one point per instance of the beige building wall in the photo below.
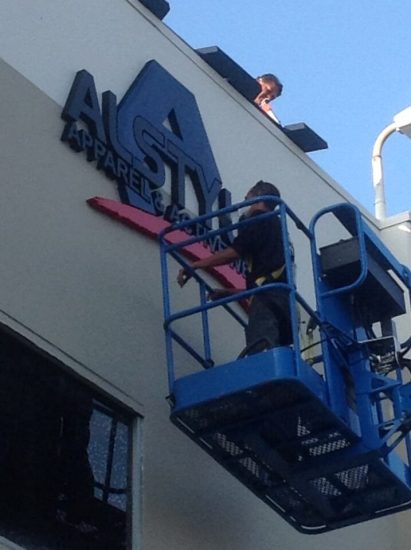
(87, 289)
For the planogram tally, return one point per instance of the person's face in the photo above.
(269, 90)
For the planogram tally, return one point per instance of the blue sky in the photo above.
(346, 69)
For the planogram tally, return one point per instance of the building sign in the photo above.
(154, 133)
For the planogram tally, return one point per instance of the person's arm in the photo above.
(221, 257)
(272, 115)
(218, 293)
(266, 107)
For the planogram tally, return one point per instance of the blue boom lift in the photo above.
(321, 436)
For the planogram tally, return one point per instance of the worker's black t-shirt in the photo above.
(260, 244)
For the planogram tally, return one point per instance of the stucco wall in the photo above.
(88, 289)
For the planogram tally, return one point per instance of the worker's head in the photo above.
(262, 188)
(271, 88)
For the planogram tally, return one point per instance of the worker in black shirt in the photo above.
(260, 245)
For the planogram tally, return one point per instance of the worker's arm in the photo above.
(265, 106)
(221, 257)
(218, 293)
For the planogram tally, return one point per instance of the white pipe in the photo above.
(377, 171)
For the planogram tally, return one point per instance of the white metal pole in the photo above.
(378, 173)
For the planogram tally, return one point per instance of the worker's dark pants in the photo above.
(269, 322)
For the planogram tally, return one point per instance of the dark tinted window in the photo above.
(64, 457)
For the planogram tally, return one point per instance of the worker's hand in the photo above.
(265, 105)
(261, 98)
(183, 277)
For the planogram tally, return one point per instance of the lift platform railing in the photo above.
(355, 292)
(369, 244)
(176, 251)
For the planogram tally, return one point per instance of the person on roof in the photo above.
(271, 88)
(260, 245)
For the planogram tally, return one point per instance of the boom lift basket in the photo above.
(315, 444)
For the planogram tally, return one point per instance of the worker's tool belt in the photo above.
(273, 276)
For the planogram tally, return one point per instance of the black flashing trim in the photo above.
(160, 8)
(305, 138)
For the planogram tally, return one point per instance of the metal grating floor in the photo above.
(295, 454)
